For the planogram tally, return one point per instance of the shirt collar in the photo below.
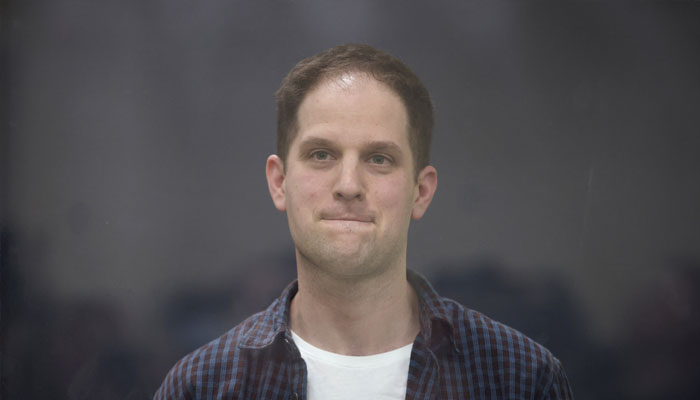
(435, 318)
(273, 322)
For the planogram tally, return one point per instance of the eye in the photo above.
(379, 159)
(320, 155)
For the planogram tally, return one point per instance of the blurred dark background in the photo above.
(136, 223)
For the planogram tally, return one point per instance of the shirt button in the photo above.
(295, 396)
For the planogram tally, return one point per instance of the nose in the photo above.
(349, 184)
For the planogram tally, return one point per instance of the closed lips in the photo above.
(348, 218)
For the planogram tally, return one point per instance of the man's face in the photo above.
(349, 187)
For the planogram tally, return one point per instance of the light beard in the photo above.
(338, 262)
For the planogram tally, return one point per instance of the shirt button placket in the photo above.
(291, 349)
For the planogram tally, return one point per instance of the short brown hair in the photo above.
(364, 58)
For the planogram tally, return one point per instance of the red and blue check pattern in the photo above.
(458, 354)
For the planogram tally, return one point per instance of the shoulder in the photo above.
(478, 332)
(211, 365)
(504, 355)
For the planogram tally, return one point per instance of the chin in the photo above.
(342, 259)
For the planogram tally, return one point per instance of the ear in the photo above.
(425, 190)
(274, 171)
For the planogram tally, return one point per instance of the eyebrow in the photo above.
(313, 142)
(376, 145)
(379, 145)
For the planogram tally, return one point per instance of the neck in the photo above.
(355, 315)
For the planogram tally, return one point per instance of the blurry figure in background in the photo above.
(354, 127)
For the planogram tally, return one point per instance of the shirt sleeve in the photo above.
(559, 387)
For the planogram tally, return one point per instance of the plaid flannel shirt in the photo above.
(458, 354)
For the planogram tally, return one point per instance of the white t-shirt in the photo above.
(332, 376)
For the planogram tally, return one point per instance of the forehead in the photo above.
(353, 103)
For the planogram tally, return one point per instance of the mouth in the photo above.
(348, 218)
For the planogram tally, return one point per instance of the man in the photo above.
(353, 140)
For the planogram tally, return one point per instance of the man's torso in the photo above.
(459, 354)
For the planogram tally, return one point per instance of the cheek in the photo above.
(395, 196)
(304, 192)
